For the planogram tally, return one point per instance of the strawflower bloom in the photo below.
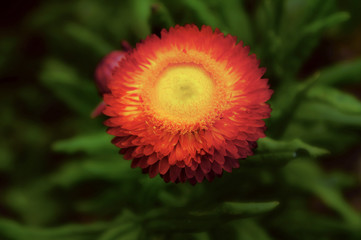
(187, 105)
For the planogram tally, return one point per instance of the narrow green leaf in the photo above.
(325, 112)
(273, 153)
(269, 145)
(12, 230)
(299, 33)
(47, 15)
(119, 232)
(231, 210)
(114, 169)
(27, 200)
(287, 102)
(327, 22)
(91, 144)
(182, 220)
(247, 229)
(68, 86)
(204, 13)
(160, 16)
(85, 37)
(276, 159)
(201, 236)
(300, 220)
(341, 73)
(6, 158)
(338, 99)
(237, 20)
(238, 209)
(316, 131)
(141, 13)
(308, 176)
(170, 200)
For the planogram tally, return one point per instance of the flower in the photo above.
(187, 105)
(104, 74)
(104, 70)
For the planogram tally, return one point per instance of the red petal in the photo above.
(152, 159)
(189, 172)
(148, 150)
(182, 175)
(227, 166)
(210, 176)
(172, 158)
(205, 165)
(135, 163)
(219, 158)
(163, 166)
(216, 168)
(174, 172)
(199, 175)
(153, 170)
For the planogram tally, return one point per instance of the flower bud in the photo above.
(104, 75)
(104, 70)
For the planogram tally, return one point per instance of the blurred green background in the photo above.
(60, 178)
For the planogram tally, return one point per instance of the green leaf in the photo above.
(247, 229)
(317, 132)
(28, 201)
(6, 158)
(341, 73)
(320, 111)
(124, 231)
(300, 221)
(270, 145)
(238, 209)
(85, 37)
(91, 144)
(271, 152)
(47, 15)
(170, 200)
(161, 17)
(286, 104)
(67, 85)
(177, 220)
(201, 236)
(277, 159)
(338, 99)
(204, 13)
(141, 10)
(320, 24)
(109, 168)
(308, 176)
(237, 20)
(12, 230)
(288, 44)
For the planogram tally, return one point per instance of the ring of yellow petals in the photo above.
(185, 90)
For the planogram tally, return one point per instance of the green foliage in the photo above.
(61, 178)
(68, 86)
(91, 143)
(342, 73)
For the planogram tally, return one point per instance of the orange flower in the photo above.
(187, 105)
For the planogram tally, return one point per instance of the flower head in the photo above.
(187, 105)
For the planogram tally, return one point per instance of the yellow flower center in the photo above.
(183, 93)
